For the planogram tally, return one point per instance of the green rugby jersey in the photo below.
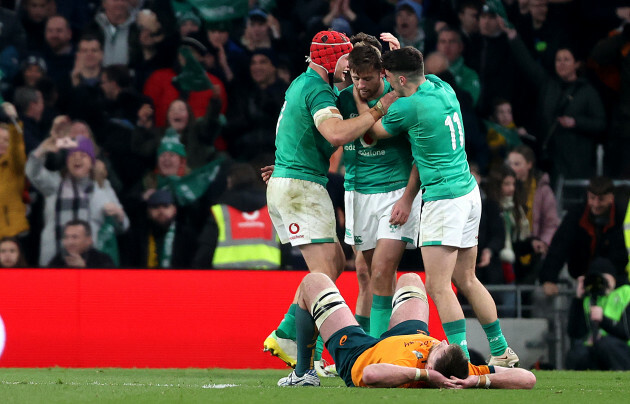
(301, 151)
(373, 166)
(433, 120)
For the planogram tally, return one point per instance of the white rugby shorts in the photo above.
(367, 219)
(301, 211)
(452, 222)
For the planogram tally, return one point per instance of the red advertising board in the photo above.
(148, 318)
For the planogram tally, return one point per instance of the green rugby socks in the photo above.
(456, 334)
(286, 329)
(380, 314)
(497, 342)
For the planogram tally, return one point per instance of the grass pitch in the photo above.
(59, 385)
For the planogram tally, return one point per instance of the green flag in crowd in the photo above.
(512, 139)
(193, 76)
(215, 10)
(190, 187)
(106, 241)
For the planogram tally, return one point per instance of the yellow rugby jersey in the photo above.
(403, 350)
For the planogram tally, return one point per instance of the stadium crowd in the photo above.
(133, 130)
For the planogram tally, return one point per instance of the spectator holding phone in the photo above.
(76, 192)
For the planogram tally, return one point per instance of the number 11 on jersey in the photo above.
(449, 122)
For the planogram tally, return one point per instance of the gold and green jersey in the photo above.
(432, 120)
(373, 166)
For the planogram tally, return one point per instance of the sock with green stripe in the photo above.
(497, 342)
(364, 322)
(380, 314)
(307, 337)
(286, 329)
(319, 348)
(456, 334)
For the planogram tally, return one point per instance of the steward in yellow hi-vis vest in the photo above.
(246, 240)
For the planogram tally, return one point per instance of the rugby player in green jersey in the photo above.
(428, 113)
(382, 211)
(309, 129)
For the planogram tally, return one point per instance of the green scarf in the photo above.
(106, 241)
(190, 187)
(167, 247)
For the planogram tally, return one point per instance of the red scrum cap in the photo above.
(327, 48)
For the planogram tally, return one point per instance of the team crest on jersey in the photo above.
(358, 240)
(419, 355)
(393, 228)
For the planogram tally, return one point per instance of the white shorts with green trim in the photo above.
(301, 211)
(367, 219)
(452, 222)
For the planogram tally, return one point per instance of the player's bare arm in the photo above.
(376, 131)
(338, 131)
(389, 375)
(402, 208)
(503, 378)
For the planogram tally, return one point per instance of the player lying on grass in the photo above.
(404, 356)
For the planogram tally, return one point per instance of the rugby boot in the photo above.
(283, 348)
(321, 367)
(509, 359)
(309, 378)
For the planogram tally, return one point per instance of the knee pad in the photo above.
(405, 293)
(326, 303)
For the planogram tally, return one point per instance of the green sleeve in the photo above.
(395, 122)
(319, 99)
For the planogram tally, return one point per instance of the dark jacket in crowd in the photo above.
(492, 236)
(184, 244)
(571, 150)
(496, 70)
(93, 259)
(581, 238)
(611, 54)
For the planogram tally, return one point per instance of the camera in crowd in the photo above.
(595, 285)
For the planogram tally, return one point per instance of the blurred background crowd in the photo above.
(133, 131)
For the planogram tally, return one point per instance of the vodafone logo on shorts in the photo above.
(294, 228)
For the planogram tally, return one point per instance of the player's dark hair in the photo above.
(363, 59)
(408, 60)
(453, 363)
(366, 39)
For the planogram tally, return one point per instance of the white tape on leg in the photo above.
(326, 303)
(405, 293)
